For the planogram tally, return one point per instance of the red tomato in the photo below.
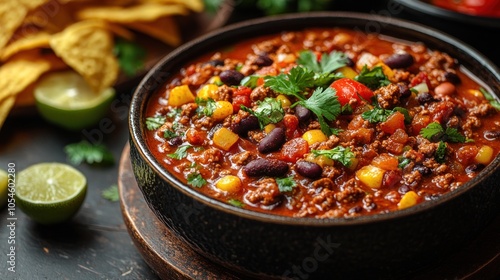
(420, 78)
(241, 96)
(348, 89)
(294, 149)
(472, 7)
(291, 123)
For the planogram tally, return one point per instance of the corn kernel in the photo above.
(268, 128)
(229, 183)
(285, 102)
(180, 95)
(215, 80)
(371, 176)
(208, 91)
(386, 69)
(314, 136)
(409, 199)
(347, 72)
(222, 110)
(225, 138)
(484, 155)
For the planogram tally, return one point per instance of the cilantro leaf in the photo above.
(236, 203)
(169, 134)
(339, 153)
(376, 115)
(131, 56)
(206, 106)
(89, 153)
(435, 132)
(250, 81)
(324, 104)
(155, 122)
(490, 98)
(111, 193)
(293, 83)
(180, 153)
(196, 180)
(440, 154)
(327, 64)
(286, 184)
(268, 111)
(373, 78)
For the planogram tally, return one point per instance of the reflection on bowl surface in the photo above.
(319, 182)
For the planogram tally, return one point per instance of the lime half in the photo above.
(66, 99)
(3, 188)
(50, 193)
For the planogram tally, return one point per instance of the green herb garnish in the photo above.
(490, 98)
(328, 63)
(286, 184)
(180, 153)
(373, 78)
(440, 154)
(268, 111)
(206, 106)
(294, 83)
(89, 153)
(236, 203)
(435, 132)
(325, 105)
(155, 122)
(377, 114)
(196, 180)
(131, 56)
(339, 153)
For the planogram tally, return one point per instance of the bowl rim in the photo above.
(140, 98)
(423, 7)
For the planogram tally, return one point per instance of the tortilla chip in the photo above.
(194, 5)
(164, 29)
(87, 47)
(35, 41)
(12, 15)
(145, 12)
(5, 107)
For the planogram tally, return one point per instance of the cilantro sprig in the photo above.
(341, 154)
(294, 83)
(155, 122)
(268, 111)
(196, 180)
(325, 105)
(435, 132)
(180, 153)
(372, 78)
(490, 98)
(84, 151)
(205, 106)
(131, 56)
(378, 114)
(286, 184)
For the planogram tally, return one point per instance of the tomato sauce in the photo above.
(324, 123)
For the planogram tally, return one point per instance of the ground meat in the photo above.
(482, 110)
(224, 93)
(256, 135)
(210, 156)
(205, 122)
(426, 147)
(261, 92)
(330, 172)
(188, 110)
(412, 178)
(470, 124)
(269, 46)
(388, 96)
(444, 181)
(243, 158)
(350, 192)
(325, 199)
(266, 193)
(323, 183)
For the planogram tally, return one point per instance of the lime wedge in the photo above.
(66, 99)
(50, 193)
(3, 188)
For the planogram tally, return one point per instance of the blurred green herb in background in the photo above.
(131, 56)
(273, 7)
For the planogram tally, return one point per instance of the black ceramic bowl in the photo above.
(265, 246)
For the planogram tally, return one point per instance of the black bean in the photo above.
(245, 125)
(263, 60)
(399, 60)
(425, 97)
(266, 167)
(473, 168)
(175, 141)
(491, 135)
(404, 189)
(231, 77)
(302, 113)
(452, 78)
(404, 90)
(424, 170)
(308, 169)
(216, 62)
(273, 141)
(350, 62)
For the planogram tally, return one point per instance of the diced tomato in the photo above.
(348, 89)
(393, 122)
(291, 123)
(420, 78)
(418, 122)
(294, 149)
(241, 96)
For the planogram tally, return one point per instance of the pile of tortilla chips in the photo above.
(40, 36)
